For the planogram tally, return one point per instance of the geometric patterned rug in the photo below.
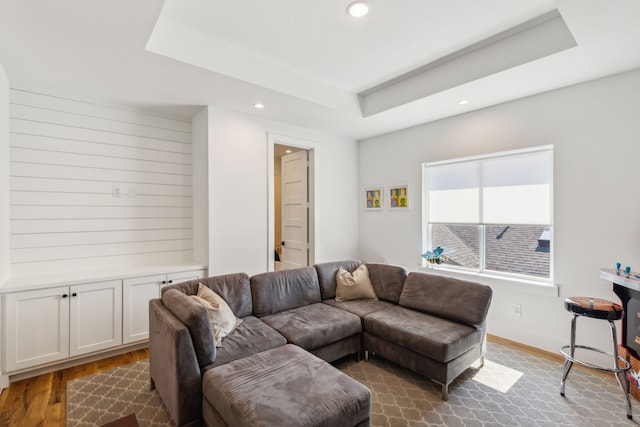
(100, 398)
(514, 388)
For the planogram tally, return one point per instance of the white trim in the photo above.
(312, 147)
(492, 155)
(529, 286)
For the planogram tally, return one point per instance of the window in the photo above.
(492, 213)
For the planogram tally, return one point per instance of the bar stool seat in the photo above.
(596, 308)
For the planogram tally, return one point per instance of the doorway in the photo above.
(291, 207)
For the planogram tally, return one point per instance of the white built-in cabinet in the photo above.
(137, 292)
(49, 325)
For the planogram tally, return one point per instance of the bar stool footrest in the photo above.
(567, 356)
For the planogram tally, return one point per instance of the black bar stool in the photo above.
(597, 309)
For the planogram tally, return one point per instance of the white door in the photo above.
(136, 294)
(295, 210)
(36, 327)
(95, 321)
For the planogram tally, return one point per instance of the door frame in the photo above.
(311, 147)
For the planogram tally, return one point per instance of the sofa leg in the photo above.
(444, 393)
(366, 356)
(481, 362)
(152, 384)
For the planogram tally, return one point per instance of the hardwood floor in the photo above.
(41, 401)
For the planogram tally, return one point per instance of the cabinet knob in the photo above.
(164, 282)
(74, 294)
(64, 295)
(170, 281)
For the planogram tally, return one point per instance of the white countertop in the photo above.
(79, 277)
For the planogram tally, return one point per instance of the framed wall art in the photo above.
(373, 198)
(398, 197)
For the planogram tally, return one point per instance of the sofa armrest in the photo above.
(173, 364)
(194, 316)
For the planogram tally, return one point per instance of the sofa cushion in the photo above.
(454, 299)
(195, 317)
(436, 338)
(327, 275)
(250, 337)
(234, 288)
(284, 290)
(314, 325)
(360, 307)
(285, 386)
(223, 321)
(387, 280)
(355, 285)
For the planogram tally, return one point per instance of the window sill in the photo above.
(511, 283)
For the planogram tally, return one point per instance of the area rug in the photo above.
(514, 388)
(107, 396)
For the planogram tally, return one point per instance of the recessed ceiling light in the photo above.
(288, 151)
(258, 105)
(358, 9)
(463, 102)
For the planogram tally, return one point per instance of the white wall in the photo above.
(238, 202)
(4, 176)
(594, 128)
(67, 156)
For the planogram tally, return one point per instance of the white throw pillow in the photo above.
(356, 285)
(222, 318)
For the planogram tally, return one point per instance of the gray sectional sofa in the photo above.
(430, 324)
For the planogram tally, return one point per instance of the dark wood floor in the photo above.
(41, 401)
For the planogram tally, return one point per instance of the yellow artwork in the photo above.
(373, 198)
(399, 197)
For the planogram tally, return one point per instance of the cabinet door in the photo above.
(95, 321)
(183, 276)
(36, 327)
(135, 305)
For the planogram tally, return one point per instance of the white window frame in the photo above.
(426, 229)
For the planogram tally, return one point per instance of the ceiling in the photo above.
(407, 62)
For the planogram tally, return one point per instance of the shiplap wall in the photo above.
(67, 156)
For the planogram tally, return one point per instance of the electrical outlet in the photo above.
(117, 191)
(516, 310)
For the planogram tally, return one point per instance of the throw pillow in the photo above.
(222, 318)
(356, 285)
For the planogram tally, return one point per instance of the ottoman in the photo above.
(285, 386)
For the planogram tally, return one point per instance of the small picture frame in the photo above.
(373, 199)
(398, 197)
